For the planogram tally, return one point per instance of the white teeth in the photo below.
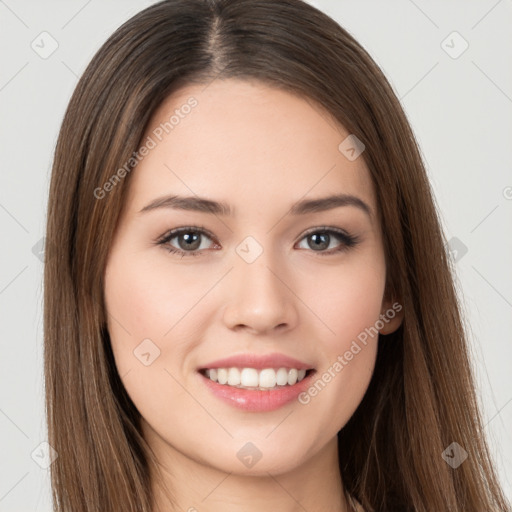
(292, 376)
(222, 376)
(268, 378)
(265, 379)
(282, 377)
(250, 378)
(233, 376)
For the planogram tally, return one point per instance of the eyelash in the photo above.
(347, 241)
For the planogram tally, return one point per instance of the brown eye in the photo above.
(189, 241)
(322, 239)
(318, 241)
(185, 241)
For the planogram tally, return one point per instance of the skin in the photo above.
(260, 150)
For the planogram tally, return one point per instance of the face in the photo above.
(242, 306)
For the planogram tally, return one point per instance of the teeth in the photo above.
(282, 377)
(292, 376)
(222, 376)
(233, 377)
(268, 378)
(250, 378)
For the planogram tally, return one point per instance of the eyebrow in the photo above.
(305, 206)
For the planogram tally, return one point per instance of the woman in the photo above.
(251, 305)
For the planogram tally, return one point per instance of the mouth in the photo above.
(254, 379)
(256, 383)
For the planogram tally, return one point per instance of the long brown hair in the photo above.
(422, 394)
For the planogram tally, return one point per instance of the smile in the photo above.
(256, 382)
(265, 379)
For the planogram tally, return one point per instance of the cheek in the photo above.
(149, 299)
(149, 328)
(349, 304)
(347, 298)
(145, 298)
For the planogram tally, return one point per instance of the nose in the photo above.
(261, 299)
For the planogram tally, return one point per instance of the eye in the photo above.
(321, 239)
(187, 241)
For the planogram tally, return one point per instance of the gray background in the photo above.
(459, 105)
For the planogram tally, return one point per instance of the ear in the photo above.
(391, 315)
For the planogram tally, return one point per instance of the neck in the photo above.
(195, 487)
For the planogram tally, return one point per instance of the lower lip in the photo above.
(255, 400)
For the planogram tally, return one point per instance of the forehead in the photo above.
(248, 144)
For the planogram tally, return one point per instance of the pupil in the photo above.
(320, 241)
(190, 240)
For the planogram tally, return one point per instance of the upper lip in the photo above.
(274, 360)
